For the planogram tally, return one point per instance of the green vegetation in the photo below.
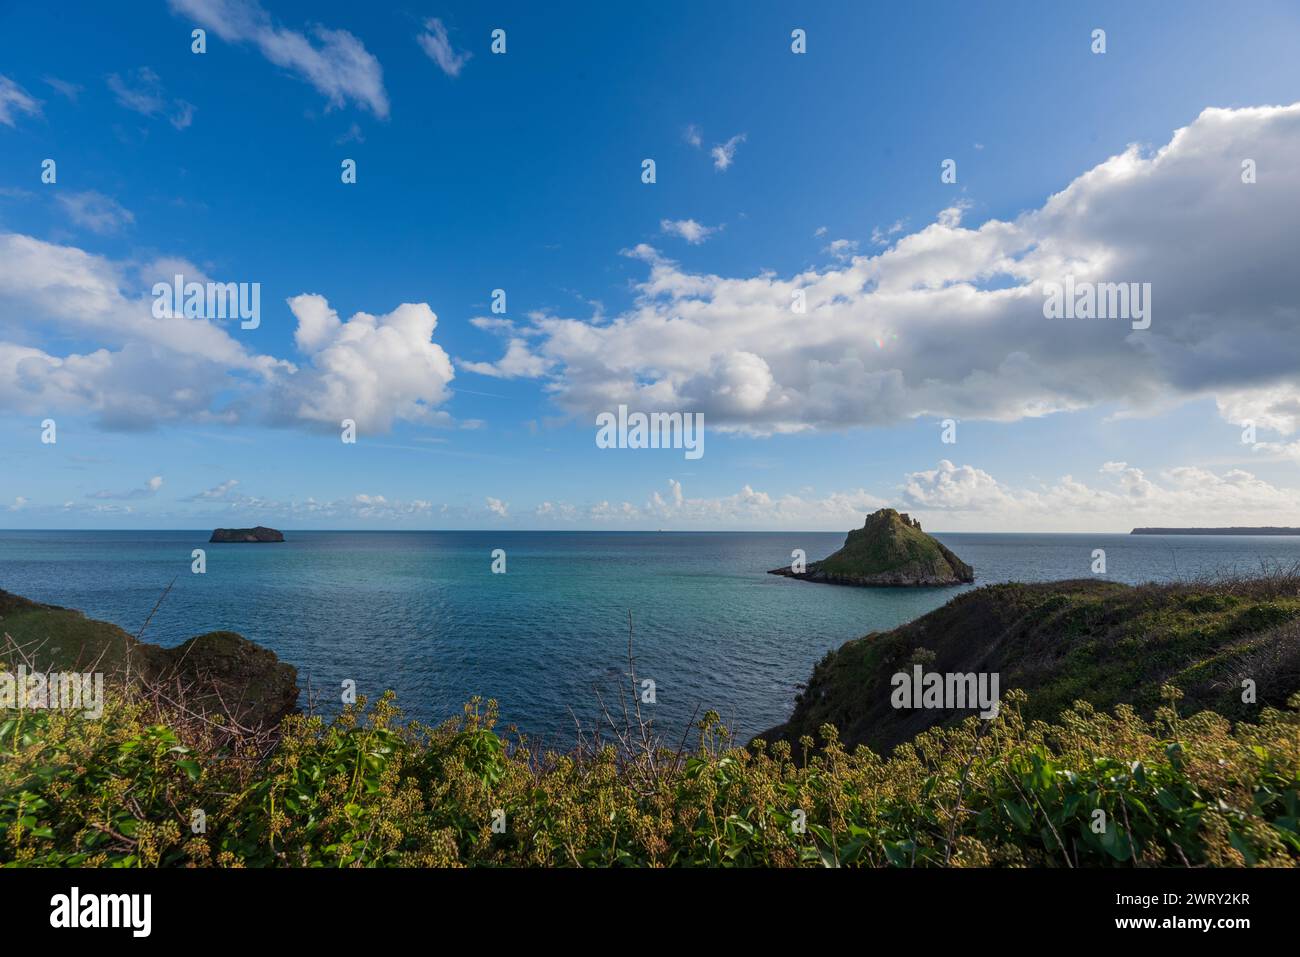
(219, 671)
(1095, 641)
(1165, 778)
(366, 790)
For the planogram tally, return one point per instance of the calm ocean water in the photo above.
(421, 612)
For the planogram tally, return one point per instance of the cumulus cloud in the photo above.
(746, 508)
(692, 136)
(949, 319)
(335, 62)
(144, 370)
(372, 369)
(724, 154)
(378, 507)
(14, 99)
(951, 486)
(437, 46)
(842, 249)
(687, 229)
(95, 211)
(955, 497)
(517, 363)
(949, 497)
(1123, 496)
(142, 91)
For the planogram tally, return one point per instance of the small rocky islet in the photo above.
(890, 550)
(255, 535)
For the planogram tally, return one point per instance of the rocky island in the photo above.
(889, 550)
(254, 535)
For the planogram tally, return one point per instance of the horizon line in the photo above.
(610, 531)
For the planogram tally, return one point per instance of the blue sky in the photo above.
(521, 171)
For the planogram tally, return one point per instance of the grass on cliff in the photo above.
(367, 789)
(1098, 641)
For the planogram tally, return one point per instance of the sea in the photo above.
(425, 615)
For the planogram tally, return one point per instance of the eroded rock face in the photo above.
(889, 550)
(247, 535)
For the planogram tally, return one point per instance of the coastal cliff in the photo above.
(1102, 642)
(218, 672)
(889, 550)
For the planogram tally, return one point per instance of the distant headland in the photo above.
(1234, 530)
(259, 534)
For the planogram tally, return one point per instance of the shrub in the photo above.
(367, 789)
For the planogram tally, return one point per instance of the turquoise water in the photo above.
(422, 613)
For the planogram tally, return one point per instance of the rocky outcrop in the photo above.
(251, 535)
(889, 550)
(216, 673)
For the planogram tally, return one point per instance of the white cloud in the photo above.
(95, 211)
(223, 491)
(353, 135)
(949, 320)
(63, 87)
(14, 99)
(725, 153)
(498, 324)
(842, 249)
(363, 507)
(372, 369)
(1126, 497)
(335, 62)
(142, 92)
(880, 237)
(144, 371)
(437, 46)
(951, 486)
(688, 229)
(1276, 407)
(148, 490)
(963, 497)
(692, 136)
(517, 363)
(746, 508)
(497, 507)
